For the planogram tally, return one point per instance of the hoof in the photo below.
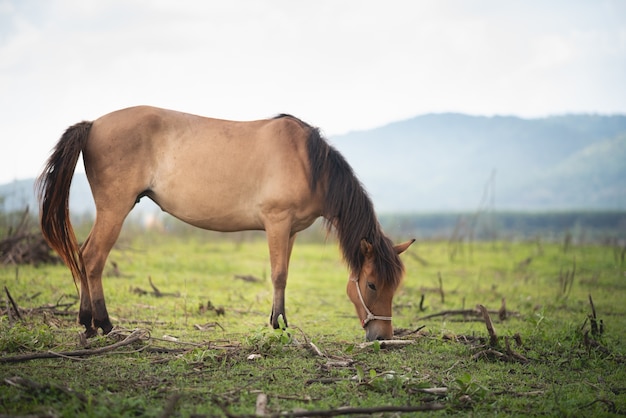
(104, 325)
(90, 332)
(279, 322)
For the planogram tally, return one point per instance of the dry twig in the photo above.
(248, 278)
(16, 308)
(434, 406)
(135, 336)
(493, 338)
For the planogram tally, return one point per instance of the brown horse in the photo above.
(277, 175)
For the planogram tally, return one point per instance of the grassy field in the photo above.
(201, 347)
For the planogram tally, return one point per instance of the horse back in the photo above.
(212, 173)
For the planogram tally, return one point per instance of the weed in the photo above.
(467, 391)
(269, 341)
(24, 337)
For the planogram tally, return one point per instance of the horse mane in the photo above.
(348, 209)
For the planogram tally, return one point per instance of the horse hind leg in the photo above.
(106, 229)
(85, 313)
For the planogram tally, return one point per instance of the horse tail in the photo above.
(53, 192)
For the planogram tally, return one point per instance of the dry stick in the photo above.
(156, 291)
(593, 318)
(9, 313)
(441, 287)
(502, 314)
(15, 307)
(261, 404)
(513, 354)
(316, 350)
(435, 406)
(247, 278)
(465, 312)
(135, 336)
(387, 343)
(493, 338)
(451, 312)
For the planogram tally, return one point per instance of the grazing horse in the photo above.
(277, 175)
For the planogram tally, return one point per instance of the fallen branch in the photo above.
(315, 349)
(435, 406)
(387, 343)
(135, 336)
(403, 332)
(502, 313)
(208, 326)
(490, 352)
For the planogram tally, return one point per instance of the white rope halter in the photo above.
(370, 316)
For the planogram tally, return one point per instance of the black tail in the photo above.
(53, 190)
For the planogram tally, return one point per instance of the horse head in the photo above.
(372, 296)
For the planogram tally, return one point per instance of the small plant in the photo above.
(566, 281)
(267, 340)
(199, 355)
(467, 391)
(23, 337)
(538, 318)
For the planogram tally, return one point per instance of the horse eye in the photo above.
(371, 285)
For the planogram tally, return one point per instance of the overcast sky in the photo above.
(340, 65)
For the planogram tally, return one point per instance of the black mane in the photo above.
(349, 210)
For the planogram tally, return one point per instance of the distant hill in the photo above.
(453, 162)
(445, 162)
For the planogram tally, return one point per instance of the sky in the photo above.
(340, 65)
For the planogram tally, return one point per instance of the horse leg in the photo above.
(280, 242)
(95, 251)
(85, 314)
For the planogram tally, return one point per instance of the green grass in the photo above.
(566, 373)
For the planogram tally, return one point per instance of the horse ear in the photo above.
(400, 248)
(366, 248)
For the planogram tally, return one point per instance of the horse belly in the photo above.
(227, 200)
(216, 203)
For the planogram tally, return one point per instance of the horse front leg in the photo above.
(280, 246)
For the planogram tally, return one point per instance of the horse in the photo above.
(278, 175)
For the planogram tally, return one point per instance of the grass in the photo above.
(219, 364)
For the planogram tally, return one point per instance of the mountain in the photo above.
(456, 162)
(450, 162)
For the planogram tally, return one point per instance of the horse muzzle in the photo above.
(378, 330)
